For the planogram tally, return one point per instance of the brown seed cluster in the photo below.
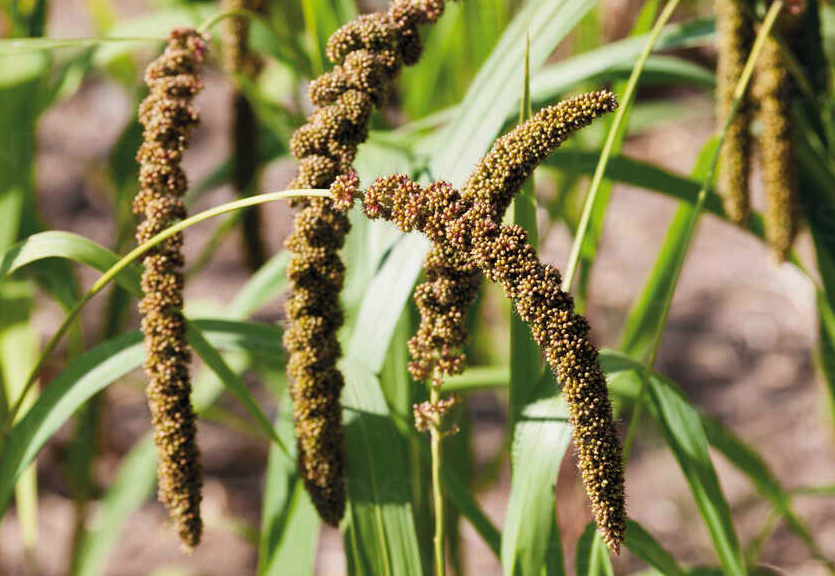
(168, 118)
(368, 53)
(317, 275)
(467, 233)
(239, 60)
(777, 147)
(736, 38)
(451, 286)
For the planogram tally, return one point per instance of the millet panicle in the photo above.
(168, 118)
(736, 38)
(465, 230)
(451, 285)
(777, 146)
(368, 53)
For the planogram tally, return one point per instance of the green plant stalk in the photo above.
(588, 250)
(609, 145)
(10, 46)
(741, 87)
(436, 436)
(525, 357)
(739, 93)
(130, 257)
(243, 12)
(309, 13)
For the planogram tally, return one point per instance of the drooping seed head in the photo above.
(168, 118)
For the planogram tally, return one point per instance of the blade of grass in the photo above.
(377, 479)
(481, 113)
(592, 556)
(752, 465)
(19, 352)
(685, 435)
(609, 146)
(539, 444)
(268, 282)
(641, 327)
(128, 260)
(683, 230)
(384, 300)
(95, 370)
(826, 348)
(135, 479)
(645, 547)
(22, 45)
(59, 244)
(289, 523)
(525, 357)
(234, 385)
(554, 80)
(588, 249)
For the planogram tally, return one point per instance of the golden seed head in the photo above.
(773, 85)
(736, 38)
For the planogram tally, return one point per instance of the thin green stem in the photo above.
(309, 15)
(632, 431)
(436, 436)
(23, 45)
(739, 93)
(243, 12)
(608, 146)
(130, 257)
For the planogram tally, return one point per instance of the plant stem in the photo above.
(111, 273)
(437, 487)
(739, 93)
(632, 431)
(243, 12)
(608, 146)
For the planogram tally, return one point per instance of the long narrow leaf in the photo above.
(482, 112)
(645, 547)
(378, 483)
(539, 444)
(233, 384)
(747, 461)
(136, 477)
(592, 556)
(58, 244)
(289, 523)
(684, 433)
(91, 373)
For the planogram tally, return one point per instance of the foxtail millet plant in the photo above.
(736, 38)
(168, 117)
(239, 61)
(368, 53)
(777, 147)
(467, 230)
